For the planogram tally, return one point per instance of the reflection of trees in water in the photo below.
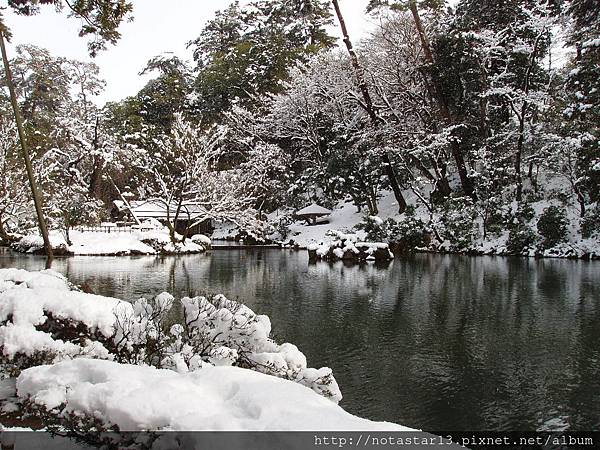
(507, 328)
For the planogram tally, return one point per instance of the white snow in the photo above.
(49, 291)
(214, 398)
(313, 209)
(27, 297)
(116, 242)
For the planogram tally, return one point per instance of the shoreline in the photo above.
(402, 255)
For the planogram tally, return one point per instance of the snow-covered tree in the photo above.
(181, 174)
(247, 51)
(14, 191)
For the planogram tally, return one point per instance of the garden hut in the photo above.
(312, 213)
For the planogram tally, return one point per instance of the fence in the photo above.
(129, 228)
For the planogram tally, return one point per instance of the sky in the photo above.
(155, 30)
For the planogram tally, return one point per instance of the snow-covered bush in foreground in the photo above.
(214, 331)
(347, 247)
(50, 332)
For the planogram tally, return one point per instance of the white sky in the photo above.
(158, 27)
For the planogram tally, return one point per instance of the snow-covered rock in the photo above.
(346, 246)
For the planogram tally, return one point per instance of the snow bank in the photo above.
(138, 398)
(95, 243)
(45, 320)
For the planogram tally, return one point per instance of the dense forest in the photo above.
(481, 119)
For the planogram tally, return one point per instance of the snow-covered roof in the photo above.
(146, 209)
(313, 210)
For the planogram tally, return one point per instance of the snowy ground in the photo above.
(115, 243)
(56, 374)
(345, 217)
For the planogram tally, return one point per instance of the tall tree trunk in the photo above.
(519, 154)
(522, 115)
(445, 113)
(368, 106)
(97, 164)
(37, 198)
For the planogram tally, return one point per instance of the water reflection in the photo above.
(435, 342)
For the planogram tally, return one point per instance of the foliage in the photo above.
(590, 223)
(521, 238)
(408, 232)
(552, 226)
(100, 19)
(181, 175)
(468, 101)
(14, 198)
(247, 51)
(459, 218)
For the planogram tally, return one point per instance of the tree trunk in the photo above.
(37, 198)
(445, 114)
(97, 163)
(368, 106)
(519, 154)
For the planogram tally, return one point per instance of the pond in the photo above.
(435, 342)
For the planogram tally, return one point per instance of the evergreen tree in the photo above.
(247, 52)
(583, 87)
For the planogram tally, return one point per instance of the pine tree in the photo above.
(247, 52)
(583, 86)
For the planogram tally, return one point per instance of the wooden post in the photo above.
(37, 199)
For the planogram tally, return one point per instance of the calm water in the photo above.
(434, 342)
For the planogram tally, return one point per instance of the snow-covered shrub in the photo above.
(523, 214)
(141, 334)
(213, 331)
(280, 226)
(493, 222)
(43, 320)
(377, 229)
(552, 226)
(590, 223)
(405, 234)
(33, 243)
(521, 239)
(409, 232)
(202, 240)
(58, 323)
(459, 218)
